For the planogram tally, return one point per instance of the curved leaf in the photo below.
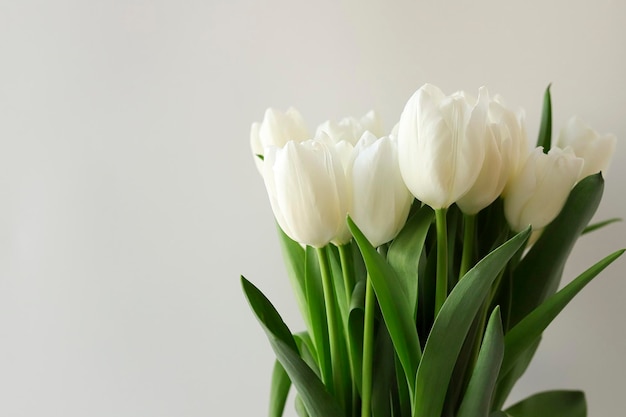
(527, 331)
(600, 225)
(394, 305)
(404, 253)
(317, 312)
(293, 254)
(317, 400)
(538, 275)
(477, 399)
(356, 323)
(551, 404)
(452, 325)
(507, 382)
(279, 390)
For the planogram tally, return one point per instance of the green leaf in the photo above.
(404, 253)
(545, 131)
(551, 404)
(267, 314)
(317, 313)
(279, 390)
(356, 323)
(538, 274)
(300, 409)
(383, 375)
(452, 325)
(307, 351)
(317, 400)
(477, 399)
(599, 225)
(499, 414)
(394, 305)
(506, 383)
(293, 254)
(343, 300)
(522, 336)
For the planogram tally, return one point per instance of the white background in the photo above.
(130, 204)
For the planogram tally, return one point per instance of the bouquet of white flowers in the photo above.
(426, 263)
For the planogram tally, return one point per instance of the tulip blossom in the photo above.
(505, 145)
(597, 150)
(276, 129)
(539, 191)
(380, 200)
(441, 144)
(350, 129)
(307, 190)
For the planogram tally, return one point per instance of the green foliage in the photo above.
(477, 400)
(451, 326)
(448, 329)
(317, 401)
(394, 304)
(539, 273)
(279, 390)
(551, 404)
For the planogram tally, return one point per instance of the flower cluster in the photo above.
(411, 255)
(445, 150)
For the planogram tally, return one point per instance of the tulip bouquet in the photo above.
(426, 263)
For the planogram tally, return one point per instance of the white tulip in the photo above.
(597, 150)
(344, 151)
(539, 191)
(505, 145)
(307, 189)
(350, 129)
(441, 144)
(380, 200)
(276, 129)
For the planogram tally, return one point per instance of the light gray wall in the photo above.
(129, 201)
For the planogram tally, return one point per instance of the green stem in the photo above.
(441, 291)
(469, 229)
(368, 349)
(347, 269)
(334, 334)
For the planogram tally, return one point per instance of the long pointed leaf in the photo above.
(522, 336)
(600, 225)
(506, 383)
(394, 305)
(551, 404)
(538, 275)
(452, 325)
(477, 399)
(317, 400)
(545, 130)
(317, 312)
(293, 254)
(356, 322)
(404, 253)
(279, 391)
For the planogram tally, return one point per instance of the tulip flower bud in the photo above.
(344, 151)
(441, 144)
(276, 129)
(306, 186)
(539, 191)
(597, 150)
(350, 129)
(380, 200)
(505, 143)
